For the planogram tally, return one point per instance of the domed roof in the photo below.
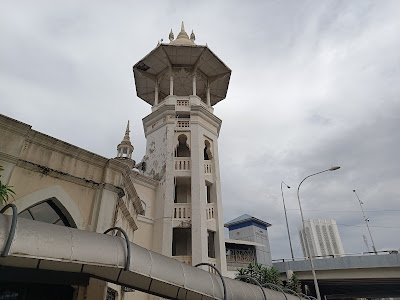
(182, 38)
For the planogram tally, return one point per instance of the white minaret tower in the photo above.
(182, 81)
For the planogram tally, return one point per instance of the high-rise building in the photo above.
(323, 238)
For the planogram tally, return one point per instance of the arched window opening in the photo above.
(207, 151)
(46, 211)
(182, 150)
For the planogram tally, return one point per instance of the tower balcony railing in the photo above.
(183, 123)
(180, 102)
(210, 211)
(182, 211)
(207, 167)
(212, 261)
(182, 164)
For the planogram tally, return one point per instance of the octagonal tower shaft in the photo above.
(182, 81)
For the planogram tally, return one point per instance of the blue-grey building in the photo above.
(248, 242)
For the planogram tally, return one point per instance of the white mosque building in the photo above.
(168, 204)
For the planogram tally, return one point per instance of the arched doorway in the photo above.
(47, 211)
(28, 284)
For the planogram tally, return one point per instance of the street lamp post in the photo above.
(306, 240)
(366, 222)
(287, 224)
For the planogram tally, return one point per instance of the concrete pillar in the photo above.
(194, 84)
(156, 93)
(208, 95)
(220, 252)
(171, 84)
(199, 219)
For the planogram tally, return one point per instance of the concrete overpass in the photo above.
(350, 276)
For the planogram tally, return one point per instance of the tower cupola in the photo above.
(181, 68)
(125, 148)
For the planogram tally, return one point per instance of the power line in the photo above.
(369, 226)
(385, 210)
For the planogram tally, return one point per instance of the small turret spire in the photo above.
(182, 27)
(192, 36)
(125, 148)
(171, 36)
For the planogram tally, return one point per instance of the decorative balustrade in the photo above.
(212, 261)
(187, 259)
(182, 164)
(207, 168)
(182, 211)
(182, 102)
(210, 208)
(240, 256)
(183, 123)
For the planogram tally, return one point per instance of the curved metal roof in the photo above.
(44, 246)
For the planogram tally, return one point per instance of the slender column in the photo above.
(194, 84)
(171, 84)
(208, 96)
(156, 93)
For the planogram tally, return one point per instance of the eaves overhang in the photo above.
(193, 59)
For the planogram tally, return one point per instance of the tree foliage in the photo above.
(294, 283)
(269, 275)
(5, 191)
(262, 274)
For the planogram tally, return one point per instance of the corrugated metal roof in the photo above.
(246, 218)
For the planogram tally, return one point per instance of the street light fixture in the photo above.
(287, 224)
(306, 240)
(366, 222)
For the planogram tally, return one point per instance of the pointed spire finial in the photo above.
(192, 36)
(182, 27)
(127, 130)
(171, 36)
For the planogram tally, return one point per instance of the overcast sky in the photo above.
(314, 84)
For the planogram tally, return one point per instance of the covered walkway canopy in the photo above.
(41, 247)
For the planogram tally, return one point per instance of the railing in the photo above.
(187, 259)
(210, 211)
(182, 102)
(212, 261)
(240, 256)
(182, 211)
(207, 168)
(182, 164)
(183, 123)
(337, 255)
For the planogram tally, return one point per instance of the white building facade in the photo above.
(169, 202)
(323, 238)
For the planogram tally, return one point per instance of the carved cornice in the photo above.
(125, 211)
(161, 112)
(144, 180)
(45, 171)
(14, 125)
(8, 158)
(51, 143)
(134, 197)
(144, 219)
